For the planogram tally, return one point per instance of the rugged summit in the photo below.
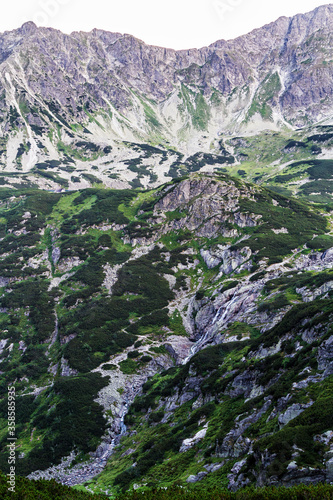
(57, 89)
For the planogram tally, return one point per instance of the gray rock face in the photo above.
(66, 370)
(187, 444)
(237, 482)
(235, 444)
(302, 476)
(230, 260)
(198, 477)
(329, 471)
(208, 207)
(3, 344)
(325, 357)
(56, 252)
(309, 296)
(116, 74)
(292, 412)
(243, 384)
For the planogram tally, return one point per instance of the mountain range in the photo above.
(166, 243)
(81, 96)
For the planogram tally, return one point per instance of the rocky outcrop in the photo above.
(227, 259)
(187, 444)
(110, 276)
(325, 356)
(3, 344)
(205, 213)
(292, 412)
(66, 370)
(234, 444)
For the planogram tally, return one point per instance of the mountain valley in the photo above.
(166, 245)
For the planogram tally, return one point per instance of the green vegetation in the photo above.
(64, 418)
(41, 490)
(286, 215)
(157, 447)
(89, 275)
(196, 106)
(269, 89)
(47, 490)
(301, 492)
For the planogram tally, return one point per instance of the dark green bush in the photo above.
(277, 303)
(146, 359)
(133, 354)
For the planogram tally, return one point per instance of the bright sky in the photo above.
(180, 24)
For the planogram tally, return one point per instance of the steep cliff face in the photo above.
(58, 89)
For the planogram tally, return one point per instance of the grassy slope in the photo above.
(107, 325)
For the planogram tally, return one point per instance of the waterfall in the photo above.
(226, 311)
(195, 348)
(108, 452)
(123, 427)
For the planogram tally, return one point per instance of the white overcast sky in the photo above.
(180, 24)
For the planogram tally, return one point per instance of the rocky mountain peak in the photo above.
(102, 88)
(28, 28)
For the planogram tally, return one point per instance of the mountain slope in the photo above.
(119, 286)
(178, 325)
(103, 87)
